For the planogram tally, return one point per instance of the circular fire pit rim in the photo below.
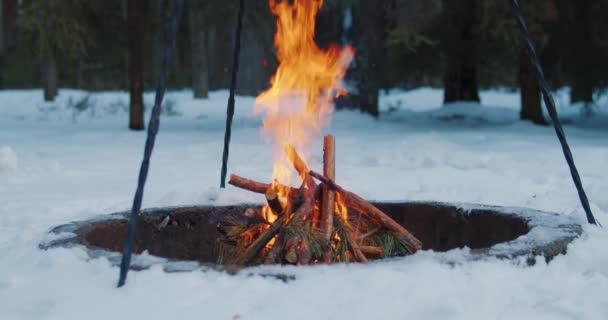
(548, 235)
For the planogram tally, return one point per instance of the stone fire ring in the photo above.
(190, 243)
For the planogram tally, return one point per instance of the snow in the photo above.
(76, 160)
(8, 159)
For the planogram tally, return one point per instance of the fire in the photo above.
(341, 208)
(300, 100)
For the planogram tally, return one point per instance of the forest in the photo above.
(460, 45)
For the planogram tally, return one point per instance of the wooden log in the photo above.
(327, 194)
(316, 205)
(372, 252)
(275, 251)
(254, 249)
(247, 184)
(291, 250)
(259, 187)
(296, 160)
(354, 201)
(254, 216)
(300, 165)
(304, 253)
(354, 246)
(367, 234)
(356, 250)
(272, 198)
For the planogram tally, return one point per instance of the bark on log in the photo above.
(272, 198)
(367, 234)
(354, 246)
(277, 248)
(255, 186)
(296, 160)
(254, 216)
(300, 165)
(354, 201)
(328, 196)
(372, 252)
(304, 254)
(291, 253)
(247, 184)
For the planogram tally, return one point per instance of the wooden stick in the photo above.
(276, 250)
(354, 246)
(272, 198)
(254, 249)
(291, 250)
(356, 202)
(304, 254)
(296, 160)
(328, 197)
(372, 252)
(247, 184)
(300, 165)
(367, 234)
(258, 187)
(254, 216)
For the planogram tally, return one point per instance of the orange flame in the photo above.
(341, 208)
(300, 100)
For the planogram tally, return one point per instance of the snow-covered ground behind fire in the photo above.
(74, 159)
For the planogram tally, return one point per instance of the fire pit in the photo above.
(190, 239)
(312, 219)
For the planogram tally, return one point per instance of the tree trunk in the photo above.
(135, 38)
(49, 74)
(158, 21)
(582, 90)
(8, 39)
(531, 108)
(200, 74)
(368, 67)
(459, 44)
(584, 74)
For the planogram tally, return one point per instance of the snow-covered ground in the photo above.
(74, 159)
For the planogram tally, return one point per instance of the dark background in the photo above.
(459, 45)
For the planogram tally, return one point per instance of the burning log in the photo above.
(297, 161)
(255, 186)
(309, 227)
(272, 198)
(254, 216)
(275, 251)
(354, 246)
(304, 254)
(300, 166)
(356, 202)
(247, 184)
(254, 249)
(327, 195)
(291, 253)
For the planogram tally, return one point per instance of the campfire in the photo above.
(319, 221)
